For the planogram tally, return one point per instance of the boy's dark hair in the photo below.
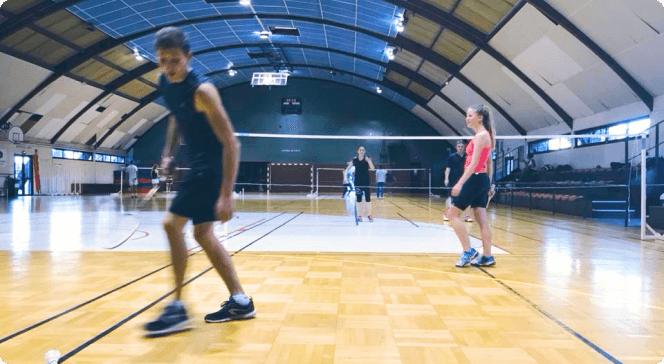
(171, 38)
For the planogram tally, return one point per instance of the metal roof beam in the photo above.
(118, 82)
(143, 103)
(386, 83)
(110, 43)
(481, 40)
(558, 18)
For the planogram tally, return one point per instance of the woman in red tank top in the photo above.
(474, 187)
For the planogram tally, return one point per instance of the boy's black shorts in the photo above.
(197, 197)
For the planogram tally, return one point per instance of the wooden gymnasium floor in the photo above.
(565, 290)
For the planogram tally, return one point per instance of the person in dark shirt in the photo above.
(154, 175)
(205, 196)
(454, 171)
(362, 166)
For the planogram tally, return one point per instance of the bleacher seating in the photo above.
(562, 189)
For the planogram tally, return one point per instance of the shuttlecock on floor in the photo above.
(236, 195)
(52, 356)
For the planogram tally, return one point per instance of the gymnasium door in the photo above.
(23, 174)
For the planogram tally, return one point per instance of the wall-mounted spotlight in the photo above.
(378, 90)
(232, 73)
(390, 52)
(137, 55)
(264, 34)
(400, 24)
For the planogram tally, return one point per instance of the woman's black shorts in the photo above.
(474, 193)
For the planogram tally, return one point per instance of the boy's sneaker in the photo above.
(445, 218)
(484, 261)
(469, 219)
(173, 319)
(231, 310)
(370, 218)
(359, 218)
(467, 257)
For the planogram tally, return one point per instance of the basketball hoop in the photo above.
(15, 135)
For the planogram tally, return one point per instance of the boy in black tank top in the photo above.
(206, 193)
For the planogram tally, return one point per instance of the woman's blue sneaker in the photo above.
(484, 261)
(467, 257)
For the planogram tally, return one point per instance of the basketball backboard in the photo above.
(15, 135)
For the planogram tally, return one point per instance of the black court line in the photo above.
(515, 211)
(270, 232)
(407, 219)
(418, 203)
(554, 319)
(565, 229)
(517, 234)
(615, 239)
(395, 204)
(69, 310)
(128, 318)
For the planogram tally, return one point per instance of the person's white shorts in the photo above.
(155, 181)
(133, 182)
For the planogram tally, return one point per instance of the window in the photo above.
(547, 145)
(558, 144)
(71, 154)
(109, 158)
(85, 156)
(604, 134)
(509, 165)
(638, 126)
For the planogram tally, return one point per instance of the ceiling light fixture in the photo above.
(232, 73)
(245, 2)
(265, 34)
(400, 23)
(137, 55)
(378, 90)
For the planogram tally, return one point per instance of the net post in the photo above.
(554, 202)
(317, 181)
(643, 194)
(657, 153)
(628, 166)
(430, 194)
(530, 203)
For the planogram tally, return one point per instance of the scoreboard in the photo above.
(291, 106)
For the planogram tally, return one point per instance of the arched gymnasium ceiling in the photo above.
(69, 74)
